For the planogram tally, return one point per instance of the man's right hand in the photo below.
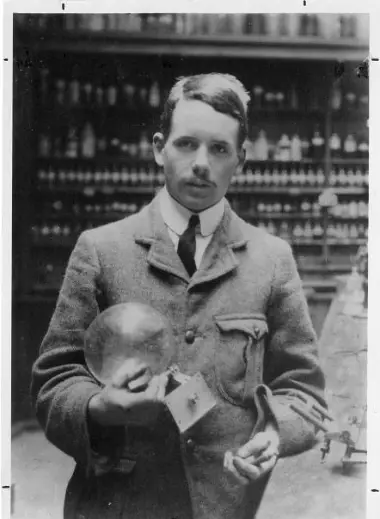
(117, 404)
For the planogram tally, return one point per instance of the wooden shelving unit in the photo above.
(50, 193)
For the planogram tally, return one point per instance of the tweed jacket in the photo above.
(253, 342)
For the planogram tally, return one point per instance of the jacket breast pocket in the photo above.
(239, 355)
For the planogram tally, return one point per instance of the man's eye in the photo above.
(220, 148)
(186, 145)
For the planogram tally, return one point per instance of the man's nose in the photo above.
(201, 163)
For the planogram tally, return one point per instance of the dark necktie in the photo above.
(186, 245)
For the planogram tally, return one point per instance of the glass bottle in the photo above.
(276, 177)
(280, 98)
(271, 228)
(74, 92)
(363, 148)
(44, 145)
(99, 94)
(351, 177)
(283, 24)
(124, 175)
(342, 177)
(101, 145)
(267, 177)
(336, 97)
(284, 146)
(317, 143)
(249, 177)
(144, 147)
(311, 177)
(111, 95)
(296, 149)
(258, 93)
(297, 232)
(350, 101)
(335, 145)
(269, 98)
(60, 90)
(72, 143)
(350, 147)
(293, 27)
(154, 95)
(114, 143)
(308, 231)
(302, 177)
(261, 146)
(320, 177)
(88, 141)
(88, 93)
(305, 147)
(129, 91)
(293, 177)
(317, 230)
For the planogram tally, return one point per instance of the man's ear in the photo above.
(158, 148)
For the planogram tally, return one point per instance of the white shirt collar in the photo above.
(177, 216)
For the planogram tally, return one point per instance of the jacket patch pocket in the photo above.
(239, 355)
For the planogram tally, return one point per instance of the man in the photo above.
(235, 301)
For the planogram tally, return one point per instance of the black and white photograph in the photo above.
(189, 262)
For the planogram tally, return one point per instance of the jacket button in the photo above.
(189, 336)
(190, 444)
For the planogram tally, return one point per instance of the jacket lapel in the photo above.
(153, 234)
(218, 260)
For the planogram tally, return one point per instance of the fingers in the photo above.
(254, 447)
(267, 465)
(130, 369)
(141, 383)
(245, 471)
(248, 470)
(230, 468)
(254, 459)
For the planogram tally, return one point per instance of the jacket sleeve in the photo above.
(291, 367)
(61, 384)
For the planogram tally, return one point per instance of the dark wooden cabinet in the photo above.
(87, 98)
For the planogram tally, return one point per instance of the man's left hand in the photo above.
(255, 458)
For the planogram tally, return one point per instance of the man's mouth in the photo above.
(197, 183)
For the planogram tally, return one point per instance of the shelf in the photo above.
(147, 114)
(279, 216)
(95, 217)
(347, 218)
(345, 116)
(100, 161)
(227, 46)
(347, 242)
(113, 216)
(65, 242)
(324, 269)
(347, 162)
(54, 242)
(350, 190)
(126, 161)
(275, 190)
(91, 189)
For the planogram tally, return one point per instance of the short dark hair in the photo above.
(223, 92)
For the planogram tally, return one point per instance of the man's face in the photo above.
(200, 155)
